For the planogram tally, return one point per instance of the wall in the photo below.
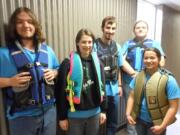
(3, 130)
(170, 43)
(171, 40)
(61, 19)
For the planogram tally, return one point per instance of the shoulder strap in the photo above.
(114, 48)
(165, 71)
(19, 57)
(139, 86)
(43, 55)
(17, 53)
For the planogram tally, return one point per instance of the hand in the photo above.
(50, 74)
(130, 120)
(64, 124)
(135, 74)
(20, 80)
(102, 118)
(120, 91)
(157, 129)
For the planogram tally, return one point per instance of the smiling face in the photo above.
(151, 61)
(109, 30)
(85, 45)
(24, 26)
(140, 30)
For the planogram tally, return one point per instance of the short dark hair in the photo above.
(12, 36)
(82, 32)
(109, 20)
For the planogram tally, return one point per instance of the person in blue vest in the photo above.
(80, 92)
(28, 68)
(132, 51)
(153, 99)
(110, 54)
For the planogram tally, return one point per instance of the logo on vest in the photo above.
(152, 99)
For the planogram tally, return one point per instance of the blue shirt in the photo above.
(172, 90)
(8, 69)
(112, 86)
(84, 113)
(138, 58)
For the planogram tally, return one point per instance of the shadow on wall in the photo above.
(3, 33)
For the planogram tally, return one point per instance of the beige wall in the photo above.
(171, 40)
(61, 19)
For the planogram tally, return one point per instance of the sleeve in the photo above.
(172, 88)
(104, 103)
(53, 60)
(120, 56)
(1, 62)
(60, 94)
(132, 84)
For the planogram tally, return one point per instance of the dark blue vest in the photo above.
(108, 55)
(39, 91)
(132, 53)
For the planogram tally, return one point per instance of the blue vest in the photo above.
(76, 76)
(135, 52)
(39, 91)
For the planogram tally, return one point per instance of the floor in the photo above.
(173, 129)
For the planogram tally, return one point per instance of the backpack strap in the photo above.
(70, 84)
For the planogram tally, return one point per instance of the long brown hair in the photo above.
(11, 34)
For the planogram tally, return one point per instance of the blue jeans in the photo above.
(112, 114)
(131, 130)
(84, 126)
(143, 128)
(34, 125)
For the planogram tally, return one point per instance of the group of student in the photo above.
(83, 91)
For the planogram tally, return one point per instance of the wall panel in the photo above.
(61, 19)
(170, 40)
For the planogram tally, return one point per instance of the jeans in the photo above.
(84, 126)
(143, 128)
(112, 114)
(131, 130)
(44, 124)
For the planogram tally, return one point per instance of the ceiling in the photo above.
(175, 4)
